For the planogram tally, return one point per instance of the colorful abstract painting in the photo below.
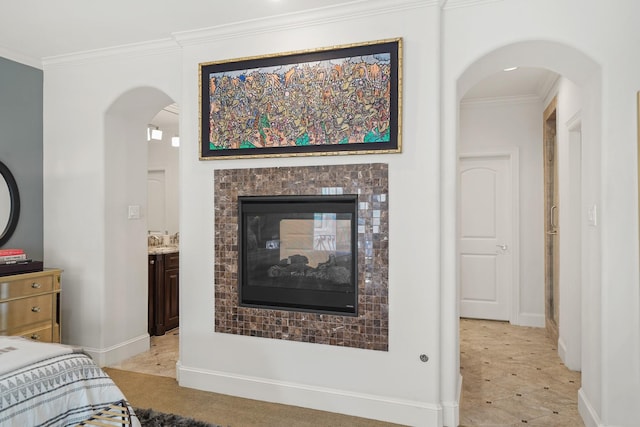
(328, 101)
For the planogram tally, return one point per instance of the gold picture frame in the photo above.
(328, 101)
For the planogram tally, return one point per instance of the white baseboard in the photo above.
(562, 350)
(587, 412)
(383, 408)
(178, 368)
(119, 352)
(530, 319)
(451, 410)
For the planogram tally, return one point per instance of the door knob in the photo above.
(503, 247)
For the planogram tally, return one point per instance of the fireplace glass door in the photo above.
(298, 253)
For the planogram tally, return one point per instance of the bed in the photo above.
(43, 384)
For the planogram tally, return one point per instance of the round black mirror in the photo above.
(9, 204)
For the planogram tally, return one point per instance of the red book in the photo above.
(6, 252)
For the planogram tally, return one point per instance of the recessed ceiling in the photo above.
(167, 120)
(520, 83)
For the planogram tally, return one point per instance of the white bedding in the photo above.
(51, 385)
(16, 352)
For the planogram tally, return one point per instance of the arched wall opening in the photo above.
(577, 67)
(125, 189)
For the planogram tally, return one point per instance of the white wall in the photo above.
(164, 157)
(95, 167)
(101, 317)
(394, 385)
(495, 126)
(96, 305)
(572, 220)
(580, 49)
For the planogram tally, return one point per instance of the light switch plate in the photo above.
(134, 212)
(592, 216)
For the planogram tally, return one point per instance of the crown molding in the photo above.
(500, 100)
(303, 19)
(318, 16)
(455, 4)
(548, 86)
(14, 56)
(172, 108)
(153, 47)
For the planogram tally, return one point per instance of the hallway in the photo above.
(513, 376)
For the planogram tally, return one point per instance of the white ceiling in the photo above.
(39, 29)
(33, 30)
(167, 119)
(521, 83)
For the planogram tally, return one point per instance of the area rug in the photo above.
(151, 418)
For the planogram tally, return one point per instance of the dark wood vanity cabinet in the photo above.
(164, 288)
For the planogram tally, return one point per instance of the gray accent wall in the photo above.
(21, 149)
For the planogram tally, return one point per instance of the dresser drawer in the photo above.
(43, 334)
(24, 312)
(25, 287)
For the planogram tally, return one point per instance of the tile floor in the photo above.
(513, 376)
(160, 359)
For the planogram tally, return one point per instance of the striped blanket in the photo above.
(61, 388)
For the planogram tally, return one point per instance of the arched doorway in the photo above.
(577, 67)
(125, 186)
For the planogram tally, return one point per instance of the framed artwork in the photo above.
(328, 101)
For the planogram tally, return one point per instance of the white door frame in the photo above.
(573, 224)
(512, 154)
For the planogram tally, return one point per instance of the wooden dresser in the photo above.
(30, 305)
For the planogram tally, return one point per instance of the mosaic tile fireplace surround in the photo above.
(370, 328)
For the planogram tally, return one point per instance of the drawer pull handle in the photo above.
(35, 309)
(36, 285)
(35, 337)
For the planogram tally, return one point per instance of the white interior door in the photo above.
(485, 237)
(156, 206)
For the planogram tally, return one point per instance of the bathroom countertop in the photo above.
(155, 250)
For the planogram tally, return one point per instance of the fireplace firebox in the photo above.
(298, 253)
